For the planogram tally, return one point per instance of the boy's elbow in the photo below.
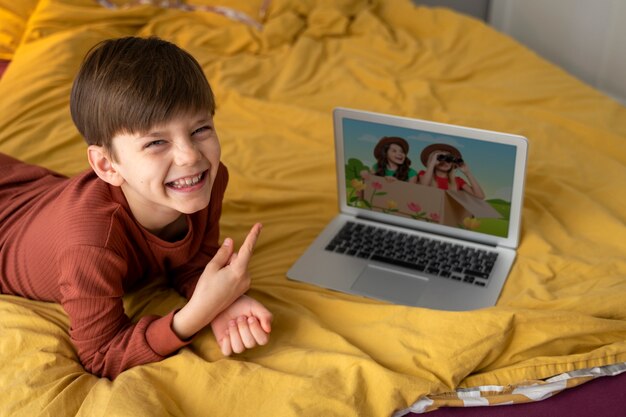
(94, 363)
(101, 361)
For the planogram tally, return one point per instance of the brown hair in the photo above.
(129, 85)
(439, 147)
(380, 153)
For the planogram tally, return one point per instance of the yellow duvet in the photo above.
(563, 308)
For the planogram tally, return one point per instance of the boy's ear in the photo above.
(102, 164)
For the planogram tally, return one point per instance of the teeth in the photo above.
(186, 182)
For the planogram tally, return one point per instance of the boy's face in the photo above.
(169, 170)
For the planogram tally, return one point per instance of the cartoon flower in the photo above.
(471, 223)
(414, 207)
(435, 217)
(377, 186)
(416, 211)
(392, 207)
(357, 185)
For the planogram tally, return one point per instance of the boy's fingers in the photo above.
(247, 248)
(245, 333)
(257, 331)
(235, 339)
(225, 346)
(265, 319)
(250, 242)
(222, 255)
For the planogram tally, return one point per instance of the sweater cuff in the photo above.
(161, 337)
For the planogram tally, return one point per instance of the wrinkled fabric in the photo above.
(333, 354)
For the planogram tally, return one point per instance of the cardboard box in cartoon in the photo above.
(449, 207)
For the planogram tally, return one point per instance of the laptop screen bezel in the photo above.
(519, 142)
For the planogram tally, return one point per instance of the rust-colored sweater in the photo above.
(75, 241)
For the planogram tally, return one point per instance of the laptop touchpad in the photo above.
(390, 285)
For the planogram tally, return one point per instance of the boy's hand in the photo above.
(245, 324)
(222, 282)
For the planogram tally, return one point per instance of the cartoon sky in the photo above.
(491, 163)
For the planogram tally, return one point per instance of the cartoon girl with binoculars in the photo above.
(441, 162)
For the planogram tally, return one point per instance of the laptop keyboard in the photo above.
(430, 256)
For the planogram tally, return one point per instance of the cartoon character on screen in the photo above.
(391, 160)
(441, 162)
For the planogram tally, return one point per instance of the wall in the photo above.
(476, 8)
(587, 38)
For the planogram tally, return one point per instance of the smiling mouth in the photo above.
(187, 182)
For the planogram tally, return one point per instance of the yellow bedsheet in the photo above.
(13, 19)
(563, 307)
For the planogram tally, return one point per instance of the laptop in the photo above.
(429, 213)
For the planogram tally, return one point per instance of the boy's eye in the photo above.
(154, 143)
(201, 130)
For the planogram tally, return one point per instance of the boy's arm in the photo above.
(222, 282)
(185, 278)
(106, 340)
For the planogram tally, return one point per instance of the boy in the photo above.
(150, 205)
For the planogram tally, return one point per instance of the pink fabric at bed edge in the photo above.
(602, 397)
(3, 66)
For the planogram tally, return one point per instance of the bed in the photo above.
(278, 69)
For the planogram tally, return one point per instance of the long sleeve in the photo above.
(106, 340)
(91, 254)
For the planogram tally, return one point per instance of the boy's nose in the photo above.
(186, 153)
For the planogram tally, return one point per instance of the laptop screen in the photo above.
(430, 173)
